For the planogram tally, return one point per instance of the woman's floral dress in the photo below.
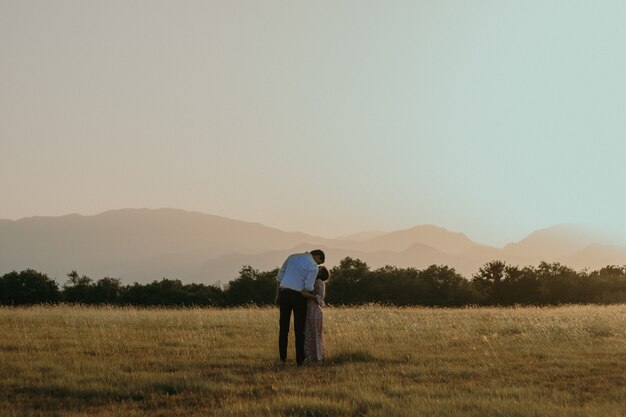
(314, 337)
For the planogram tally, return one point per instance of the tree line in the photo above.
(352, 282)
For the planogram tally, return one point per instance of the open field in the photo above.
(75, 361)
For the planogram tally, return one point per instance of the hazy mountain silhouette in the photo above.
(361, 236)
(554, 242)
(433, 236)
(597, 256)
(135, 244)
(417, 256)
(143, 245)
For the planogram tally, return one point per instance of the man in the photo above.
(298, 273)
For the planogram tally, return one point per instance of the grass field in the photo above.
(78, 361)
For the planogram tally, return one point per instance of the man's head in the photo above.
(318, 256)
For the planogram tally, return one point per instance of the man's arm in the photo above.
(281, 271)
(311, 274)
(279, 278)
(307, 294)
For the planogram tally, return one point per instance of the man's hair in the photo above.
(320, 253)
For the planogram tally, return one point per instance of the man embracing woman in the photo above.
(300, 288)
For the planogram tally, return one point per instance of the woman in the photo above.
(314, 337)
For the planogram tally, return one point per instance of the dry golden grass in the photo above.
(78, 361)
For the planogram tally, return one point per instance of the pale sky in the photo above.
(493, 118)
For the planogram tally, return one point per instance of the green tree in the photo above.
(28, 287)
(520, 286)
(78, 289)
(106, 291)
(206, 295)
(488, 282)
(346, 282)
(445, 287)
(251, 287)
(560, 284)
(609, 284)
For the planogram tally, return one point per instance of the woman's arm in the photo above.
(320, 293)
(277, 298)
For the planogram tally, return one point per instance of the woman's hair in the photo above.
(323, 273)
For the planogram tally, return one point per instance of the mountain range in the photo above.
(141, 245)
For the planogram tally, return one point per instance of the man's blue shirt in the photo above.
(298, 272)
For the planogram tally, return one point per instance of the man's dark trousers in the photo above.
(289, 301)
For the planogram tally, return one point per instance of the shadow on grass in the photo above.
(311, 407)
(351, 357)
(60, 393)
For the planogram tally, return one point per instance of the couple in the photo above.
(300, 288)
